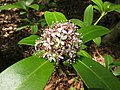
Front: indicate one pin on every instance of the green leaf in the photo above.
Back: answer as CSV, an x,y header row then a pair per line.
x,y
88,15
108,60
21,13
91,32
117,72
43,23
107,6
77,22
9,6
115,7
53,4
22,27
97,41
28,2
34,6
97,8
27,20
116,63
29,40
31,73
83,46
34,28
100,5
95,76
19,4
53,17
84,53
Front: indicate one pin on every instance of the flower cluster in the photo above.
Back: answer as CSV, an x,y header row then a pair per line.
x,y
60,41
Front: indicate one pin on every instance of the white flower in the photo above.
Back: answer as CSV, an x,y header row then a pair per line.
x,y
60,41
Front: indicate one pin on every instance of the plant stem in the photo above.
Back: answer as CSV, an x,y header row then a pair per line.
x,y
102,15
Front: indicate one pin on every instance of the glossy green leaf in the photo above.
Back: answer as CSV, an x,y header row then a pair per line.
x,y
31,73
34,6
84,53
117,72
99,3
97,41
29,40
77,22
108,60
95,76
115,7
53,17
91,32
88,15
34,28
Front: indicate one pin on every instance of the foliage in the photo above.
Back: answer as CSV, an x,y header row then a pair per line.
x,y
33,72
110,64
27,9
95,76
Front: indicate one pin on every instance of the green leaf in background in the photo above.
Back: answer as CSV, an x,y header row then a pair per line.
x,y
97,8
100,5
53,4
29,40
115,7
34,28
91,32
107,6
117,72
116,63
21,13
97,41
78,22
88,15
83,46
95,76
34,6
84,53
108,60
27,20
9,6
22,27
28,2
53,17
31,73
19,4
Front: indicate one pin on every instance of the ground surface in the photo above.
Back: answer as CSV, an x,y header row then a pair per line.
x,y
11,52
